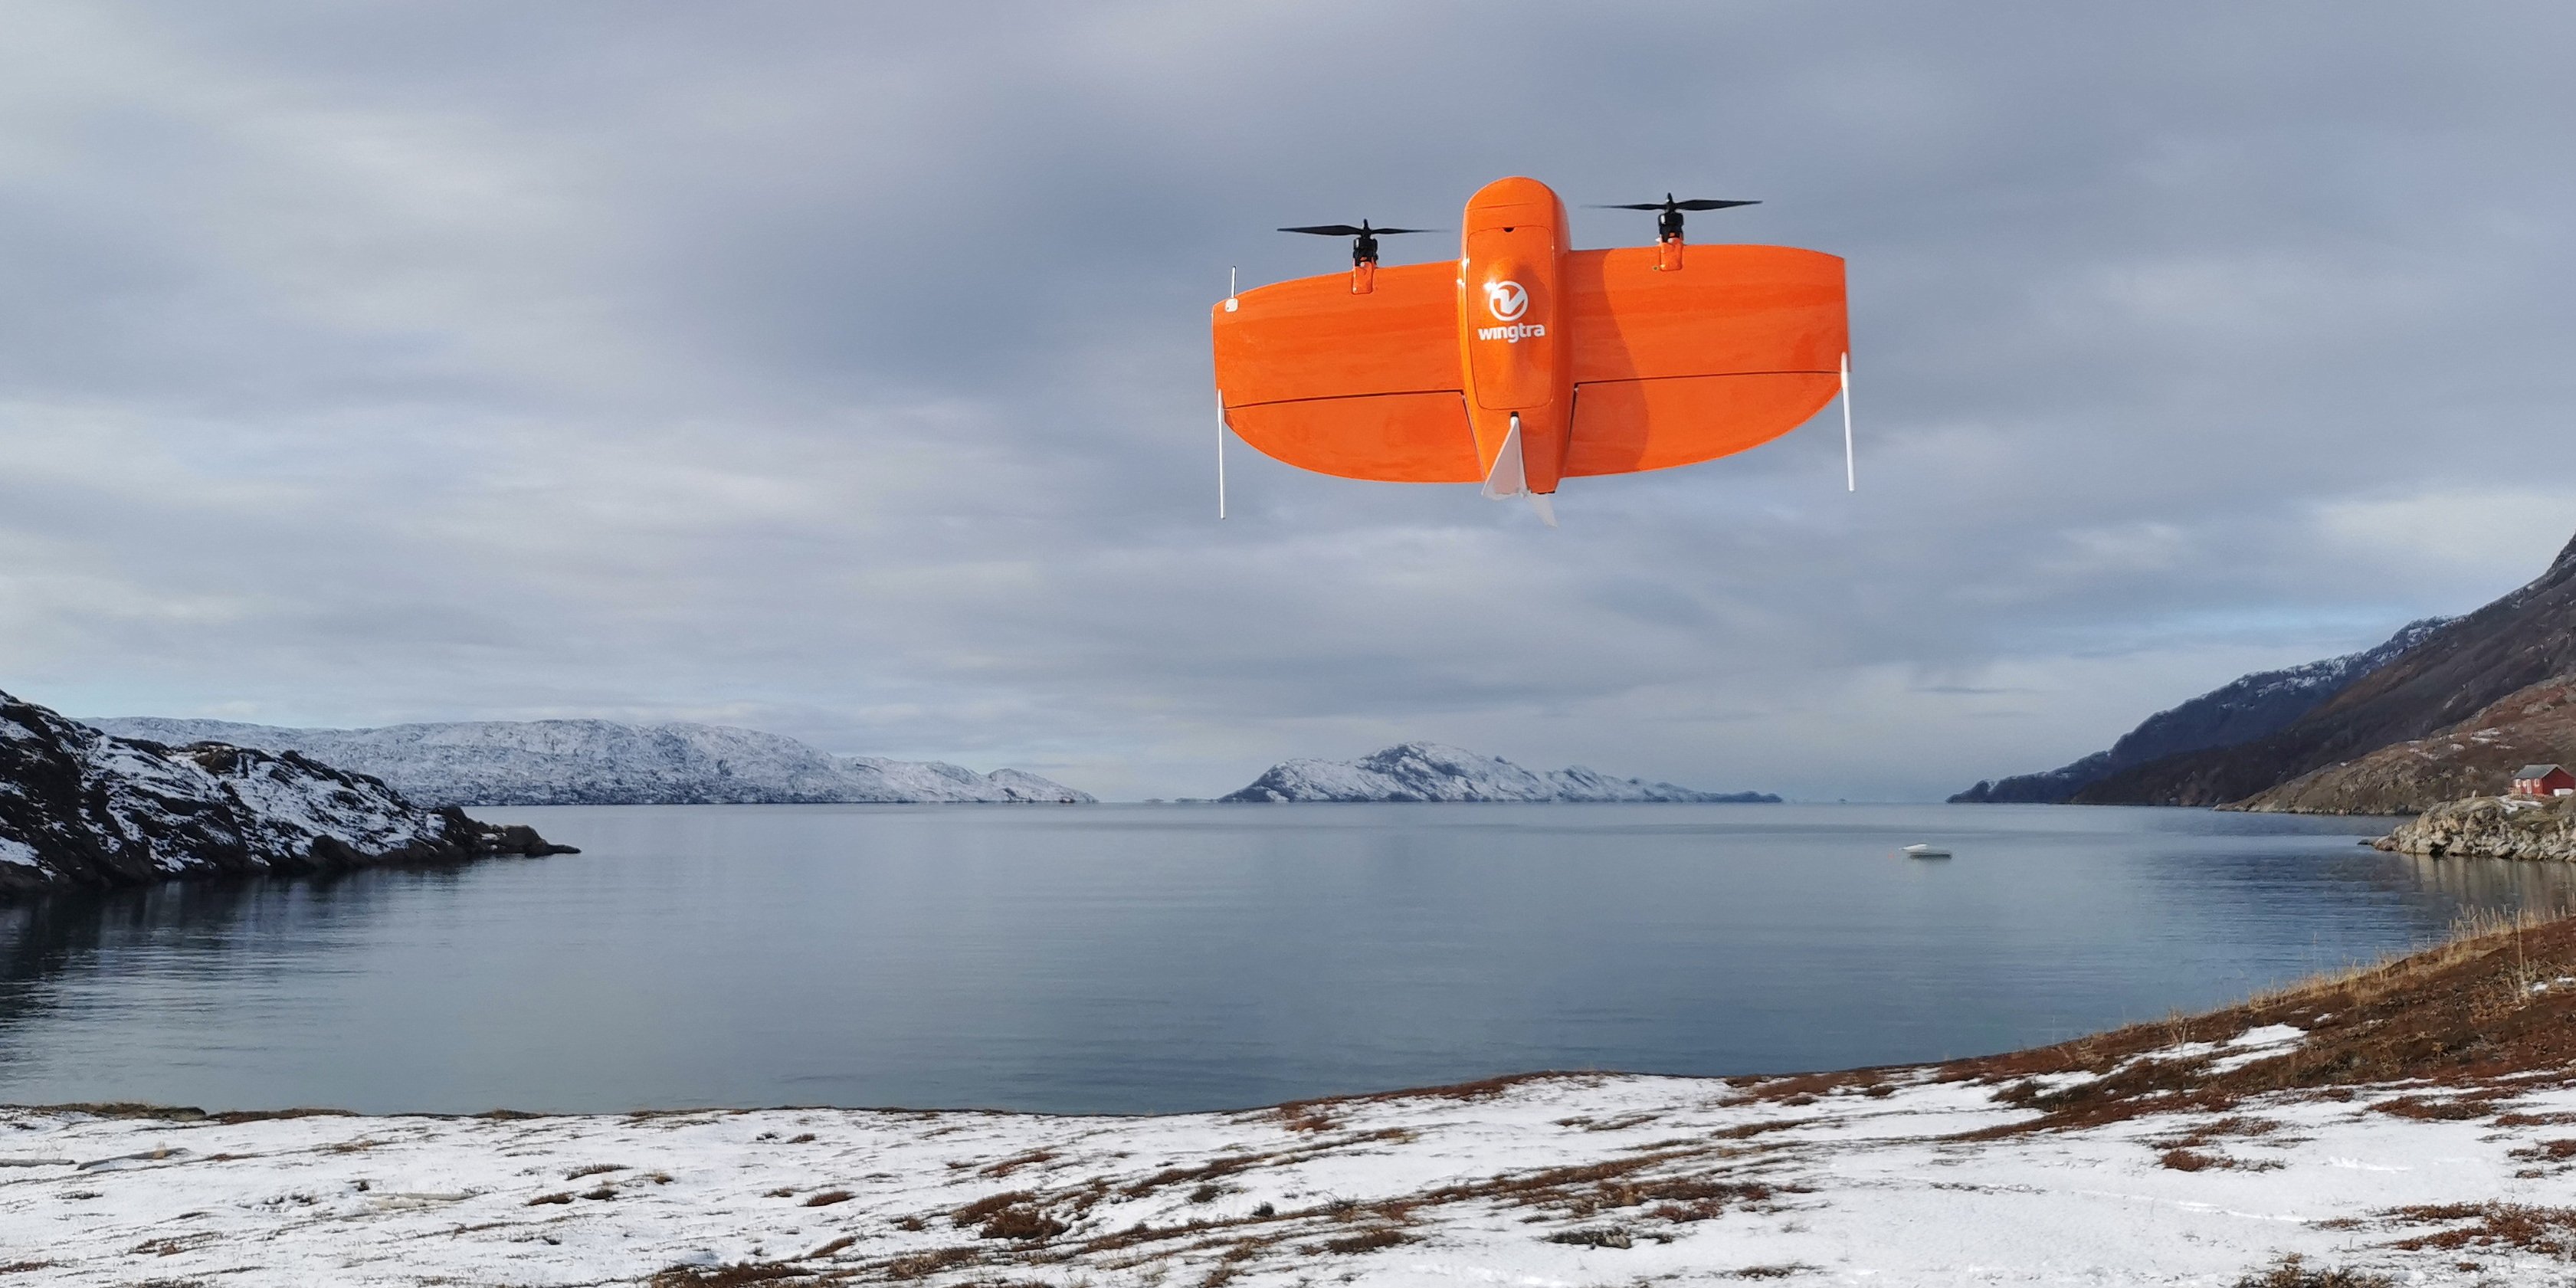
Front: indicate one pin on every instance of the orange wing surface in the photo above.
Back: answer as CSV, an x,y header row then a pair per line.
x,y
1357,385
1740,346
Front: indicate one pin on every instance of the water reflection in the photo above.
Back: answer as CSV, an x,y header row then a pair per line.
x,y
2545,888
1136,959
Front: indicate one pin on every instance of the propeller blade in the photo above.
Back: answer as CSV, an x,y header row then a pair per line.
x,y
1348,230
1702,204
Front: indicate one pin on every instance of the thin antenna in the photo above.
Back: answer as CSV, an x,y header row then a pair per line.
x,y
1851,477
1220,408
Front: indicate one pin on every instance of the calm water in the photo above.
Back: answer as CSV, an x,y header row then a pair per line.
x,y
1144,958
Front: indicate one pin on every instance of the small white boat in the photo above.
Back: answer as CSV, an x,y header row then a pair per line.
x,y
1921,851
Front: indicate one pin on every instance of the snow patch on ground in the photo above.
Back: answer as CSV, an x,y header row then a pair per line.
x,y
1574,1180
2259,1044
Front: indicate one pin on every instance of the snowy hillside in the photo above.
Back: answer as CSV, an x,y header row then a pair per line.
x,y
600,762
1423,771
82,808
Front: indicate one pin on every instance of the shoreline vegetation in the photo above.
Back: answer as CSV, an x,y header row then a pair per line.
x,y
2408,1120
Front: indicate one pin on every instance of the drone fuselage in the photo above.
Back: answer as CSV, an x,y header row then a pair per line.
x,y
1511,326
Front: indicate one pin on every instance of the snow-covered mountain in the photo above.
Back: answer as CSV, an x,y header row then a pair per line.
x,y
2240,711
1424,771
83,808
600,762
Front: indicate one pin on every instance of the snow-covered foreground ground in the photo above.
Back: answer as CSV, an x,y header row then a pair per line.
x,y
1554,1180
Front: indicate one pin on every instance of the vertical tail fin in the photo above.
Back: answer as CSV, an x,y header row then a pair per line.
x,y
1507,480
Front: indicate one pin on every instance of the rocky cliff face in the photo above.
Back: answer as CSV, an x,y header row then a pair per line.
x,y
80,808
2475,756
600,762
1422,771
2450,676
2244,709
2490,827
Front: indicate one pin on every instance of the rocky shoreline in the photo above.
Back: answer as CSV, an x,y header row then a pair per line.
x,y
2490,827
81,809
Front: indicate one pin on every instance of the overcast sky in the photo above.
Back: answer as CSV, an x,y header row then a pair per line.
x,y
841,370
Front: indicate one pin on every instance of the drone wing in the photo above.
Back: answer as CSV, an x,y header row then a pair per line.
x,y
1739,347
1361,386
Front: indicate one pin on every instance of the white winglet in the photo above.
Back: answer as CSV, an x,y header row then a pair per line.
x,y
1545,507
1220,453
1851,479
1506,480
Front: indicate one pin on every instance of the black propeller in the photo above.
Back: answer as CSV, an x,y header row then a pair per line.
x,y
1364,245
1668,224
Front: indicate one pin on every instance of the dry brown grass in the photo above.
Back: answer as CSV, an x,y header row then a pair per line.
x,y
2458,1014
1005,1167
2293,1271
1015,1214
726,1276
922,1265
1368,1241
2547,1151
2523,1227
1204,1172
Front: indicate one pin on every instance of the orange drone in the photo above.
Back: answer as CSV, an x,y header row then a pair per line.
x,y
1527,362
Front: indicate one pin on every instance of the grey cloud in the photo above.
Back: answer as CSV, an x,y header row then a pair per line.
x,y
841,370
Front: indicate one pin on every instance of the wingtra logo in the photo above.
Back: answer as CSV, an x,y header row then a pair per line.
x,y
1507,300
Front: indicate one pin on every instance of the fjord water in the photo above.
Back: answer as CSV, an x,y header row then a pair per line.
x,y
1157,958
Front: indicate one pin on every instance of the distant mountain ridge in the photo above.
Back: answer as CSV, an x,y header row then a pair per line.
x,y
602,762
2239,711
1424,771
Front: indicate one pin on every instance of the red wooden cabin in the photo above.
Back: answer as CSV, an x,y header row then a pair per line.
x,y
2544,780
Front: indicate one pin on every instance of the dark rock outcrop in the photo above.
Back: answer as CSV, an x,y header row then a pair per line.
x,y
2490,827
79,808
2450,676
2242,710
